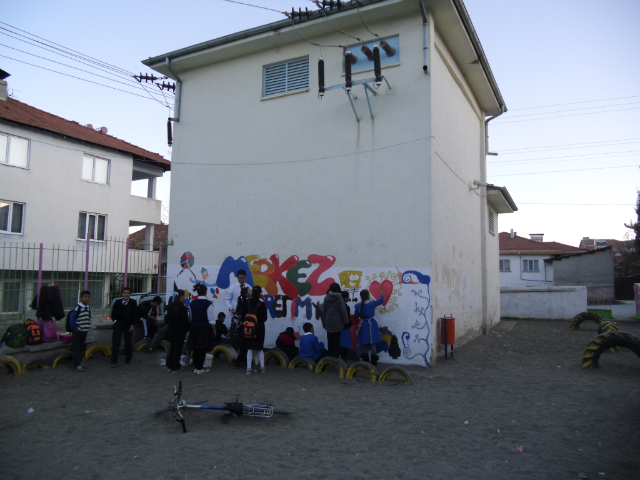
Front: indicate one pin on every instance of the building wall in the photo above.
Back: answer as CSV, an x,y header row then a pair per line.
x,y
54,192
493,273
517,277
594,270
543,302
456,211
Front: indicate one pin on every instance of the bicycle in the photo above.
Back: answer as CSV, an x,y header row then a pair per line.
x,y
234,409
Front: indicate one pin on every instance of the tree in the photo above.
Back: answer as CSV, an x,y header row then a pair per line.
x,y
635,226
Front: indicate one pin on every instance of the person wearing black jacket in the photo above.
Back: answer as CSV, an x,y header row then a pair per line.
x,y
148,314
178,320
123,316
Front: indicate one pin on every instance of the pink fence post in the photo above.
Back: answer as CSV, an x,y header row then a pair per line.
x,y
159,267
40,272
126,264
86,268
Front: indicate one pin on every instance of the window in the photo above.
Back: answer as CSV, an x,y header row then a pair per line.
x,y
11,217
505,265
91,225
530,266
491,221
14,151
286,77
95,170
10,299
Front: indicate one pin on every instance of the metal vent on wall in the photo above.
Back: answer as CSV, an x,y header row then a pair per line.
x,y
286,77
491,221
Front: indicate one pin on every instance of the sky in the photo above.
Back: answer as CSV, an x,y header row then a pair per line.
x,y
568,147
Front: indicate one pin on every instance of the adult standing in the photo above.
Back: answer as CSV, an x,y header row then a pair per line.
x,y
202,329
233,294
177,318
123,315
234,300
335,318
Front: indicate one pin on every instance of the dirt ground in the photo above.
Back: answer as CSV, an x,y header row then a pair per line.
x,y
521,385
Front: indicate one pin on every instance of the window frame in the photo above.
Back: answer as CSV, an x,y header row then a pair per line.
x,y
8,150
96,226
535,263
10,220
285,92
506,262
93,169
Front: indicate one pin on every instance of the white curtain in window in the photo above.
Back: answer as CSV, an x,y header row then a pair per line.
x,y
87,168
101,173
3,148
18,152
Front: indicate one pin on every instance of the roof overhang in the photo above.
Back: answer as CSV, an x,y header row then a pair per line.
x,y
451,20
500,200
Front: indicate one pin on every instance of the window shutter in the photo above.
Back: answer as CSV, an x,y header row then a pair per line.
x,y
491,221
286,77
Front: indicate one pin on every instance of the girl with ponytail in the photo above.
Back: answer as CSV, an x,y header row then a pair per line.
x,y
368,331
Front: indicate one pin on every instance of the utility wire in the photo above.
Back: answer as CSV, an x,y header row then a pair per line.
x,y
566,156
573,103
331,25
312,43
362,19
526,162
581,204
78,78
560,171
563,116
569,146
574,109
254,6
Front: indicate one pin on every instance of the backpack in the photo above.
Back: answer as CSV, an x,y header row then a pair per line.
x,y
16,336
250,324
67,324
35,334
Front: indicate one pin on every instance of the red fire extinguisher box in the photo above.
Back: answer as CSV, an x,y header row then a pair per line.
x,y
448,323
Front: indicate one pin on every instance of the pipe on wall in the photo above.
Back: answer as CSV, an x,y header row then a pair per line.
x,y
425,26
176,110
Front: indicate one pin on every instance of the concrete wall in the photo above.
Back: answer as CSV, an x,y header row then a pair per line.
x,y
594,270
542,302
54,192
517,277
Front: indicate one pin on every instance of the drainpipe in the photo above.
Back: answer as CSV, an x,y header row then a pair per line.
x,y
176,107
425,21
486,131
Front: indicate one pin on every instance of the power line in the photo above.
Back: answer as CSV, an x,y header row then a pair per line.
x,y
78,78
574,109
574,103
362,20
525,162
562,116
255,6
559,171
321,7
566,156
581,204
569,146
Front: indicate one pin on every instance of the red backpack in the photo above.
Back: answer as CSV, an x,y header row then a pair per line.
x,y
35,334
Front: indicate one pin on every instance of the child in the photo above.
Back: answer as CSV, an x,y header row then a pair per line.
x,y
123,315
253,327
345,335
286,342
80,320
221,329
368,331
177,318
310,347
202,329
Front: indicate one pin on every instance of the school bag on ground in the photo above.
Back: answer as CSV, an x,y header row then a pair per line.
x,y
35,333
16,336
250,324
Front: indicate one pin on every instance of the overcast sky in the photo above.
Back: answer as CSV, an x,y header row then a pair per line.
x,y
581,54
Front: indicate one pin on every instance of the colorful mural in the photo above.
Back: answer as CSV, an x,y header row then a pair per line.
x,y
293,288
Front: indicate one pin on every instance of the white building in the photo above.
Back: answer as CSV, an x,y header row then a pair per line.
x,y
61,183
302,191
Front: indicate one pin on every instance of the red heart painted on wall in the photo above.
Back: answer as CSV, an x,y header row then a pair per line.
x,y
387,290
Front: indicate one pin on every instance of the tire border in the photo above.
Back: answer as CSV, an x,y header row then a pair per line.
x,y
13,366
605,341
278,355
310,364
55,359
340,365
584,316
98,347
228,350
363,367
141,345
38,362
406,376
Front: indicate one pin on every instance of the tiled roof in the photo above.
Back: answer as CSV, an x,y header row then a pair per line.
x,y
18,112
160,234
526,246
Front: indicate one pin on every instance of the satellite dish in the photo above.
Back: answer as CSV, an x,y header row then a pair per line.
x,y
104,130
89,125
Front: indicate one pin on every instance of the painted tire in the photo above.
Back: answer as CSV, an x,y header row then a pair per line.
x,y
363,367
141,345
606,341
98,347
396,371
166,345
279,355
340,364
53,361
609,326
310,364
581,317
13,366
37,363
226,350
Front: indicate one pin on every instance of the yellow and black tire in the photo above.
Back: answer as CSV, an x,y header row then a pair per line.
x,y
141,345
12,365
581,317
277,354
609,326
166,344
310,364
363,367
53,361
340,365
606,341
98,347
396,371
37,363
226,350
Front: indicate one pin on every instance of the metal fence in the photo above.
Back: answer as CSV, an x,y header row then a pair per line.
x,y
102,267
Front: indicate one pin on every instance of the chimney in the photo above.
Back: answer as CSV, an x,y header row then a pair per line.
x,y
513,234
536,237
3,85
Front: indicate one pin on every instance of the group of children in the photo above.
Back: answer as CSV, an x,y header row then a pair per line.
x,y
247,331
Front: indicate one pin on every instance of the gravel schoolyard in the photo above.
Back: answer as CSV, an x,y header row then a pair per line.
x,y
521,387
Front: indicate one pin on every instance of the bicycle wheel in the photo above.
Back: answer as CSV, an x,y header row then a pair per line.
x,y
163,410
282,411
